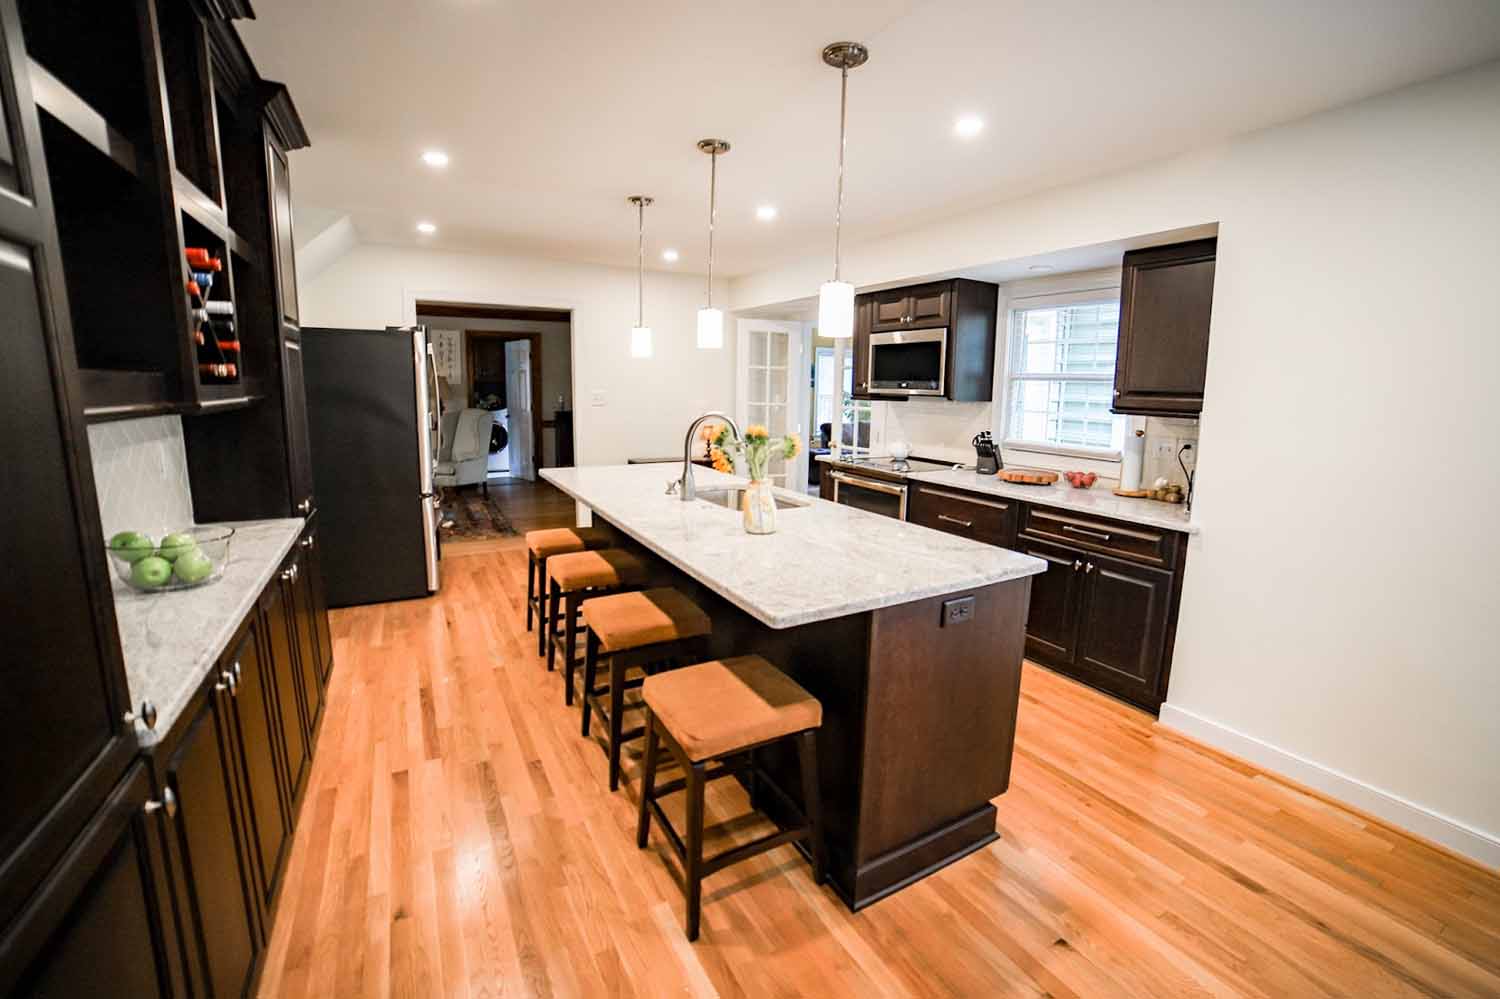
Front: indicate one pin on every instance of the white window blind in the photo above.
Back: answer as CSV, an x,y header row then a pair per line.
x,y
1061,372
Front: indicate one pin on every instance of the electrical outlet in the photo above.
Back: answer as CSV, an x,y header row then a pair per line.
x,y
596,399
959,610
1161,447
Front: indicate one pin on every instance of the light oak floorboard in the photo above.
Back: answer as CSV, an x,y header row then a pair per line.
x,y
458,839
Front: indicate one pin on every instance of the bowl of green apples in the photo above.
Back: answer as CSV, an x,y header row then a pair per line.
x,y
162,561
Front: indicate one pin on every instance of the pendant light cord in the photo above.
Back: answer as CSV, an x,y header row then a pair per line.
x,y
838,212
713,181
640,264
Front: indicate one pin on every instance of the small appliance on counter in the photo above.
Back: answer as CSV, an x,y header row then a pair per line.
x,y
988,462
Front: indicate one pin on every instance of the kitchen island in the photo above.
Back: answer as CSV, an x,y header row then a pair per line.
x,y
911,639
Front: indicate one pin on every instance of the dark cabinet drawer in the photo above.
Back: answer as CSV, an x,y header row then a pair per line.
x,y
1148,545
990,519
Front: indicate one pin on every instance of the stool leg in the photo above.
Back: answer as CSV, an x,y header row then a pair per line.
x,y
616,717
590,671
570,643
530,587
552,619
812,804
694,865
648,784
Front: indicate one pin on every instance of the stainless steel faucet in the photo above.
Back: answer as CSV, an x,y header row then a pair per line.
x,y
685,488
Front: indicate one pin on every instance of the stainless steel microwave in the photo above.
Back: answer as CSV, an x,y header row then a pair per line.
x,y
908,362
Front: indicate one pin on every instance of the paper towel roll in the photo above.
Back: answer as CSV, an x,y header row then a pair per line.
x,y
1134,458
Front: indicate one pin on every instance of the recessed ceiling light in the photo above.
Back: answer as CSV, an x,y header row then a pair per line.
x,y
435,158
1040,268
426,228
967,126
765,212
670,256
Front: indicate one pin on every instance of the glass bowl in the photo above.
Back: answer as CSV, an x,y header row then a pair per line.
x,y
170,559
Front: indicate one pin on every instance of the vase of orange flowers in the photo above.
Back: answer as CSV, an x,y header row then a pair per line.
x,y
757,447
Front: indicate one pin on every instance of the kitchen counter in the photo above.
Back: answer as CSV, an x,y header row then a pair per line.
x,y
911,640
171,640
824,561
1099,500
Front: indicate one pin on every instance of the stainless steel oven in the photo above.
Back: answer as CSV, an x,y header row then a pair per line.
x,y
874,495
908,362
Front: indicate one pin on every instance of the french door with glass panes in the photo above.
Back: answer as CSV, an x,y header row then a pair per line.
x,y
770,370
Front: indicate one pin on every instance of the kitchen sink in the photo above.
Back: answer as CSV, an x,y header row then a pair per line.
x,y
731,498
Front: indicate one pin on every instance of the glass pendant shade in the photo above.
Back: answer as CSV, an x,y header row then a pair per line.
x,y
836,310
640,341
710,329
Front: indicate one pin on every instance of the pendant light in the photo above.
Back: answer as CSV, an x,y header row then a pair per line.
x,y
640,334
710,319
836,297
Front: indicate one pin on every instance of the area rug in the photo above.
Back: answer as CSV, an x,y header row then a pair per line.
x,y
470,515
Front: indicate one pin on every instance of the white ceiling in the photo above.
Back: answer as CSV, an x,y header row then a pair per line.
x,y
554,112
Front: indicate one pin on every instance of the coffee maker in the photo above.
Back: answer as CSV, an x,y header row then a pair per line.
x,y
989,461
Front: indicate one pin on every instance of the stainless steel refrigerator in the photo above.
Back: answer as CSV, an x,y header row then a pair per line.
x,y
374,425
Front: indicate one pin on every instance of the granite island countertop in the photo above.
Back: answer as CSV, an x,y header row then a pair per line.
x,y
171,640
1099,500
824,561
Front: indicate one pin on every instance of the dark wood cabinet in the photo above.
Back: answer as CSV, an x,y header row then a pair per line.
x,y
991,519
1122,628
1166,300
318,599
292,700
967,309
260,743
281,223
102,923
216,889
299,448
1056,600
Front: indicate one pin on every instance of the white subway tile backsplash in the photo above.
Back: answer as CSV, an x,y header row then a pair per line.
x,y
140,474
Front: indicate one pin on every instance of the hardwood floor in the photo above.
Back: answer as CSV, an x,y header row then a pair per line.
x,y
458,840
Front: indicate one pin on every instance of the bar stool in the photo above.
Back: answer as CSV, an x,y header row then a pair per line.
x,y
542,545
716,710
646,629
576,576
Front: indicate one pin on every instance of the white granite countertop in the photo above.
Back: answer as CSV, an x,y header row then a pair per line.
x,y
824,561
1099,500
170,640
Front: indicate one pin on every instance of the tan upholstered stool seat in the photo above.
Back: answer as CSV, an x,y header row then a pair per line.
x,y
715,708
645,617
560,540
611,568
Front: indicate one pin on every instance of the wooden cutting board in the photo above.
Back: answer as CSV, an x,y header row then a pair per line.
x,y
1027,476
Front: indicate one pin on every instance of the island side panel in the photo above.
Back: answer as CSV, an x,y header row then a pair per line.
x,y
940,726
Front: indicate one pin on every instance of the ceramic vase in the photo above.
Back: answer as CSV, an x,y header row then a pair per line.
x,y
759,508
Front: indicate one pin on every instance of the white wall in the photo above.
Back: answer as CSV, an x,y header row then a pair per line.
x,y
646,404
1341,616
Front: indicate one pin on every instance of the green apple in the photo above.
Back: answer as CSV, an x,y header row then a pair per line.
x,y
132,546
151,572
175,545
193,566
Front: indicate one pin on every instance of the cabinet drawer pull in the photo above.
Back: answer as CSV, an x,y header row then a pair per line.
x,y
167,804
1088,534
955,520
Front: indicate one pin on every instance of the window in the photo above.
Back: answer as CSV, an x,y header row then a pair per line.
x,y
1061,373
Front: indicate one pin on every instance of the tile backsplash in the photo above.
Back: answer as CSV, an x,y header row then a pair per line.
x,y
140,474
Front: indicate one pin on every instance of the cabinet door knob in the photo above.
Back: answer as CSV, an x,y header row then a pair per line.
x,y
307,542
230,682
288,575
305,506
235,669
146,715
1077,565
1089,568
167,804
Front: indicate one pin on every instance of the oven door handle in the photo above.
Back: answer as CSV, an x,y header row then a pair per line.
x,y
874,485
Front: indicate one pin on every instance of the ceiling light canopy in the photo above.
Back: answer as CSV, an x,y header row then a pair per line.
x,y
669,255
435,158
836,297
426,228
968,125
710,319
766,213
640,334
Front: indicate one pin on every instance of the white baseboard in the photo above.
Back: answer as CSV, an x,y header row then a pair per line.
x,y
1474,843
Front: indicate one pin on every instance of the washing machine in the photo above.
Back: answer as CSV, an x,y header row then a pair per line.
x,y
499,463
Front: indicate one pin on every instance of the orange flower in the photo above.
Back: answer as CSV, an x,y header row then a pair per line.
x,y
756,430
793,445
721,461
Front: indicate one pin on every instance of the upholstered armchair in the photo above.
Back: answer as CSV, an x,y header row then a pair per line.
x,y
464,457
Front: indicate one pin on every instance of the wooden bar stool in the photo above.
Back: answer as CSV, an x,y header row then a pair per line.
x,y
575,577
542,545
648,629
706,714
